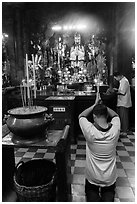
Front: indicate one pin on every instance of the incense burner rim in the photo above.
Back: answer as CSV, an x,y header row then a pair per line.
x,y
33,111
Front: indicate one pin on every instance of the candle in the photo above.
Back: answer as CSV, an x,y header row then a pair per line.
x,y
34,76
27,73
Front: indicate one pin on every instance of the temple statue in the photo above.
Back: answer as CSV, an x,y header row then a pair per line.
x,y
77,52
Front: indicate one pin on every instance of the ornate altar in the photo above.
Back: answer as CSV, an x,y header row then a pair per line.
x,y
66,59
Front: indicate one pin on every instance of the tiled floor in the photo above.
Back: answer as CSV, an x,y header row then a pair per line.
x,y
125,185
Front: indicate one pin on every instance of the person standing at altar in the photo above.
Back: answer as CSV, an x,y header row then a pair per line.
x,y
123,101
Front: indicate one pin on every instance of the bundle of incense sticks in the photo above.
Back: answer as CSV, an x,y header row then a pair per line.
x,y
27,74
25,101
22,96
24,92
27,97
34,76
98,84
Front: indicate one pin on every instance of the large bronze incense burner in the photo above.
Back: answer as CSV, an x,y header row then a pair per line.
x,y
28,122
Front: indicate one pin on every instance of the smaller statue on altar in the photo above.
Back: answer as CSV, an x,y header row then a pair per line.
x,y
62,49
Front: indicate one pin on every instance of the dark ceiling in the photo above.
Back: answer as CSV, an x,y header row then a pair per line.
x,y
38,14
59,7
58,10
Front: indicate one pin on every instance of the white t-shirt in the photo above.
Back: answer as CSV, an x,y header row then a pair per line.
x,y
100,152
124,88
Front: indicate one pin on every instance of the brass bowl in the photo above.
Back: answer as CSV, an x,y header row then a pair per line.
x,y
27,122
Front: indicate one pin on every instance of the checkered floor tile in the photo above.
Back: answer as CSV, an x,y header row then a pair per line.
x,y
125,185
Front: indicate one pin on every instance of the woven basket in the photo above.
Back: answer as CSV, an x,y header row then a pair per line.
x,y
44,192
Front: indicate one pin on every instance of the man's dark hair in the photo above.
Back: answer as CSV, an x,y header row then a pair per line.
x,y
100,110
117,74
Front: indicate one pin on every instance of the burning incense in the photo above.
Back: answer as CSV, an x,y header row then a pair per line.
x,y
22,96
36,58
31,96
27,73
98,86
24,91
34,76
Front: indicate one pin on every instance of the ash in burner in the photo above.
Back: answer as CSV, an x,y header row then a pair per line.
x,y
27,110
